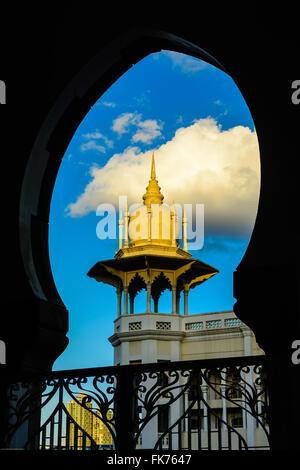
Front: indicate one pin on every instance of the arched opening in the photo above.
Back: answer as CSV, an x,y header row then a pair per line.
x,y
136,285
55,146
162,292
58,102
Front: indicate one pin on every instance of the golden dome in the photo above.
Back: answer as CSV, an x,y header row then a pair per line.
x,y
158,230
153,222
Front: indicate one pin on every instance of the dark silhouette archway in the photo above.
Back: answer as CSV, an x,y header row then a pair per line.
x,y
61,84
58,129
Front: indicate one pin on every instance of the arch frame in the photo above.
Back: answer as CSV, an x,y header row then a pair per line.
x,y
59,127
69,109
267,279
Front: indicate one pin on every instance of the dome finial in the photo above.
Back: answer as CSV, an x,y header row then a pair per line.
x,y
153,175
153,194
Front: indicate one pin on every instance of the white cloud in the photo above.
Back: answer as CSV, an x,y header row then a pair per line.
x,y
109,104
186,63
201,164
121,124
92,144
143,130
148,130
93,135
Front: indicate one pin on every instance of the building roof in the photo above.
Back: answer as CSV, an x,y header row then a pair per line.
x,y
190,272
157,259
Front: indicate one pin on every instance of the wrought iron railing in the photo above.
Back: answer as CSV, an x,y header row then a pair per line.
x,y
215,404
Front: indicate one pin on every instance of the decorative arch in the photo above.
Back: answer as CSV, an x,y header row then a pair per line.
x,y
57,130
160,283
267,256
55,133
136,284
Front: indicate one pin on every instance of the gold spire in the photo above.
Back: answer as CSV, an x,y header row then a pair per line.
x,y
153,194
153,175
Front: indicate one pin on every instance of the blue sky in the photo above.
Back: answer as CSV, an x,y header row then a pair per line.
x,y
194,118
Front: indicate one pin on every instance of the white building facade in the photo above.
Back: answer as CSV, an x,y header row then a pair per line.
x,y
150,258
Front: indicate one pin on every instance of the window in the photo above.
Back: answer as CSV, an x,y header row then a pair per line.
x,y
235,418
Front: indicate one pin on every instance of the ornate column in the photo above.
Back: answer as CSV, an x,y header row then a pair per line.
x,y
148,297
156,305
204,389
119,296
178,302
223,386
186,405
125,300
173,299
186,293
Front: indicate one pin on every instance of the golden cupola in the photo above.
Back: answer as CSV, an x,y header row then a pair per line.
x,y
149,255
153,223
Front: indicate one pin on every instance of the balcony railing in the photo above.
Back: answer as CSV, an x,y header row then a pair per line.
x,y
151,406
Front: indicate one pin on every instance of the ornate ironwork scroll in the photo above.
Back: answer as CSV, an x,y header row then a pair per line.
x,y
152,398
194,405
214,407
42,405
